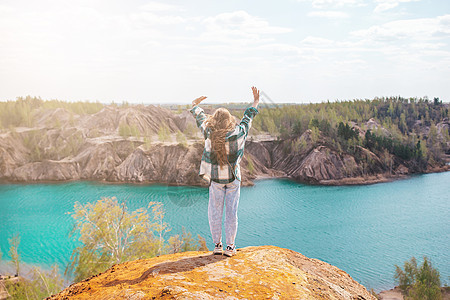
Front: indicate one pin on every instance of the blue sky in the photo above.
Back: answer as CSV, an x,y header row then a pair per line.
x,y
174,51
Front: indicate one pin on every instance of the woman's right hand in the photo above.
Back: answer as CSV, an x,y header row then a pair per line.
x,y
255,97
198,100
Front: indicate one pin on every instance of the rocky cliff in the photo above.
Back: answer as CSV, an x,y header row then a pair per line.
x,y
265,272
146,144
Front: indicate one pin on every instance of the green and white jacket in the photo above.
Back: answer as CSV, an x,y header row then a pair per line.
x,y
234,145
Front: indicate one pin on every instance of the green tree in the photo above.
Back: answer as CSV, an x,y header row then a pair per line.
x,y
445,135
147,142
391,109
181,139
124,130
164,133
313,123
250,165
427,285
109,234
407,276
159,226
270,126
315,134
188,241
38,285
202,243
297,130
190,131
419,283
174,244
387,159
14,252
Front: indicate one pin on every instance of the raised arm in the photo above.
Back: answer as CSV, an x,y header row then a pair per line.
x,y
249,114
199,114
198,100
255,97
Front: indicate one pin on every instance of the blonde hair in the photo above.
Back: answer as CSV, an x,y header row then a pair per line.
x,y
220,123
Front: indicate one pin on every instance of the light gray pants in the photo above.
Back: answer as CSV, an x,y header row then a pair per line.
x,y
218,195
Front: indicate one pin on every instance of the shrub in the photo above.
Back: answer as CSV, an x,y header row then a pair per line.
x,y
419,283
14,252
190,131
163,133
126,130
181,139
39,285
250,165
110,234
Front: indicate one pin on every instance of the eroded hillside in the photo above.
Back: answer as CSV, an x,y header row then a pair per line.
x,y
143,144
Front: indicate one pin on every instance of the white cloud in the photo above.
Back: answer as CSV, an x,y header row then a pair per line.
x,y
239,26
5,9
118,50
384,5
350,66
316,41
423,29
427,46
282,50
154,6
287,56
242,21
326,4
407,45
150,18
157,13
331,14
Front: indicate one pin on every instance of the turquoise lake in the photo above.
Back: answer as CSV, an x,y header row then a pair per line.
x,y
363,230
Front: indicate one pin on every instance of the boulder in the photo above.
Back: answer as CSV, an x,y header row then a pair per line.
x,y
48,170
265,272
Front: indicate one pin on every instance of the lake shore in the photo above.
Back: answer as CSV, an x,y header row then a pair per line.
x,y
379,178
396,294
348,181
250,180
392,294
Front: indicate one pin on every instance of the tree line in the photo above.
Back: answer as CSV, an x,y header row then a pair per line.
x,y
404,127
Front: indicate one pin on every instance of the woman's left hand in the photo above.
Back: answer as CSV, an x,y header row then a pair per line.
x,y
198,100
255,97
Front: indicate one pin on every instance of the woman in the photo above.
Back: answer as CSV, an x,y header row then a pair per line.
x,y
224,148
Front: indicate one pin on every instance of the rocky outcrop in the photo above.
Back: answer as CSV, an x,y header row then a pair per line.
x,y
171,164
13,153
147,119
265,272
47,171
313,162
97,161
53,117
184,121
321,164
259,151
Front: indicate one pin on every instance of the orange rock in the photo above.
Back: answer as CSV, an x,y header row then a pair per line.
x,y
265,272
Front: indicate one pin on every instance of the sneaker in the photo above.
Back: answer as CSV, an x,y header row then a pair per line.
x,y
218,249
230,251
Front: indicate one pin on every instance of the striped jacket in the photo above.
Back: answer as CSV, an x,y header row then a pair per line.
x,y
235,142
